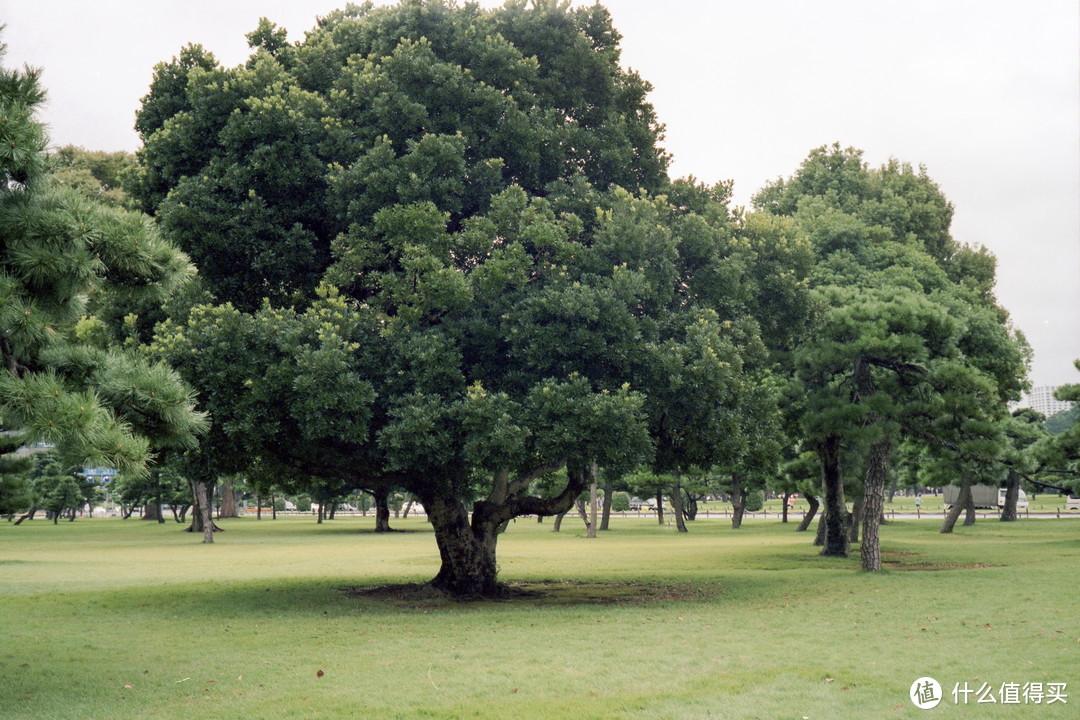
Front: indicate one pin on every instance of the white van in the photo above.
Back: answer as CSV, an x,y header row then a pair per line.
x,y
1021,499
1072,502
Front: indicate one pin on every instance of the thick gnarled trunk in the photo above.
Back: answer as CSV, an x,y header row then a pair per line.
x,y
467,544
466,549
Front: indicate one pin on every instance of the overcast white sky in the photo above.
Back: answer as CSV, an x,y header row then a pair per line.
x,y
984,93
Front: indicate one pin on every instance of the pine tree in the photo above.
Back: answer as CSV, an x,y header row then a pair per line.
x,y
100,404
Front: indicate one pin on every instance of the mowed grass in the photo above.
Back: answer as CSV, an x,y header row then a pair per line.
x,y
127,619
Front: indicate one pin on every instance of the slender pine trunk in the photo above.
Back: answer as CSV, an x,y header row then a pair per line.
x,y
203,495
836,517
810,513
738,501
962,501
677,506
606,509
877,473
1012,494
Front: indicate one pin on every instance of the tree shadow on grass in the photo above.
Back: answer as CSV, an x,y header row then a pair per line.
x,y
542,593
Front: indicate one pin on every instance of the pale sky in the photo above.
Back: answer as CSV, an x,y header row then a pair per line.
x,y
984,93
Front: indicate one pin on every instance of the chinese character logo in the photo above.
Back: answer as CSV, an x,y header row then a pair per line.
x,y
925,693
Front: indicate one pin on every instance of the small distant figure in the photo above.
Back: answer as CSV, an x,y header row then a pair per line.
x,y
791,501
918,501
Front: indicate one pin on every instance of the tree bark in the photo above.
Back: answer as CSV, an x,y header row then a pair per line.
x,y
202,494
738,501
856,519
677,506
406,509
580,505
28,516
605,518
199,499
836,516
152,512
969,509
382,510
877,472
467,550
228,507
1012,493
784,506
558,522
962,501
590,529
810,513
660,505
690,506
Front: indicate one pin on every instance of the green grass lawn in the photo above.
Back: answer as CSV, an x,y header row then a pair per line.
x,y
127,619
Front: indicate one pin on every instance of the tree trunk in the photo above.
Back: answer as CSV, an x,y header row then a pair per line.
x,y
152,512
856,520
590,529
382,511
228,501
660,505
969,509
606,516
962,500
877,472
580,505
467,550
258,506
1012,493
738,501
836,516
406,509
677,506
198,523
819,534
690,506
273,506
558,522
320,514
892,487
202,494
810,513
784,506
28,516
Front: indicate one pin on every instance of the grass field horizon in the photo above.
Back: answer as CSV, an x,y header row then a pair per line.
x,y
106,618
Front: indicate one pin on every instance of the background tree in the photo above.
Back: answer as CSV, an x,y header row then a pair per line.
x,y
905,319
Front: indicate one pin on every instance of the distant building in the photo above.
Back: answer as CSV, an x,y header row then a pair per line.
x,y
1041,399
